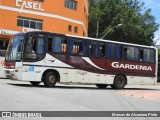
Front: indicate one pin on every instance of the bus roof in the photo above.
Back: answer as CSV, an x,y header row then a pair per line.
x,y
103,40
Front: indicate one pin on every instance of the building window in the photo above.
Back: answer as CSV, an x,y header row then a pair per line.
x,y
69,28
71,4
29,23
75,29
39,0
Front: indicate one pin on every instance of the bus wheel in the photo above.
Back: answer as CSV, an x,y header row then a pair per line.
x,y
101,86
35,83
50,79
119,82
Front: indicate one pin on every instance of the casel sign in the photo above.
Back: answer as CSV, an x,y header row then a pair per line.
x,y
29,5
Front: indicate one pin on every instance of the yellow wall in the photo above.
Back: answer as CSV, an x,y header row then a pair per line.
x,y
55,16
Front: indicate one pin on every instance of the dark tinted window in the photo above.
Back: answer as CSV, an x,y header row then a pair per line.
x,y
57,44
114,51
35,48
39,0
71,4
94,49
147,55
103,50
131,53
4,44
77,47
29,23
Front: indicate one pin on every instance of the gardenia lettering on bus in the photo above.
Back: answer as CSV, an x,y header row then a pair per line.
x,y
130,66
29,5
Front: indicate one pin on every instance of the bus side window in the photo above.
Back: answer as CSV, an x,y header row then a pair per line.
x,y
71,47
57,44
31,44
130,53
34,45
141,55
84,48
77,47
125,53
64,47
114,51
94,49
35,48
102,50
40,46
80,47
74,46
152,56
148,55
136,54
50,41
109,51
118,51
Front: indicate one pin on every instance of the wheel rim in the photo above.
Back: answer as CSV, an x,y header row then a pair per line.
x,y
52,79
119,82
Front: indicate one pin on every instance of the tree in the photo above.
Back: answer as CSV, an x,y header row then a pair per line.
x,y
138,23
95,17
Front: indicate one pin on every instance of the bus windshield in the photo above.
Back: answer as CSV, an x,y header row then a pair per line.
x,y
14,52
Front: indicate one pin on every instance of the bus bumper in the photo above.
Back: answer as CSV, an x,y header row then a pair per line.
x,y
10,73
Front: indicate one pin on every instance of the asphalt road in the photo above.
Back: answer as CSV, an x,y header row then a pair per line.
x,y
22,96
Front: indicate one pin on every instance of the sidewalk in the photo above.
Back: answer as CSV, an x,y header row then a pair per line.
x,y
143,94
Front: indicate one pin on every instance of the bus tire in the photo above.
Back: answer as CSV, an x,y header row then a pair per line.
x,y
101,86
119,82
50,79
35,83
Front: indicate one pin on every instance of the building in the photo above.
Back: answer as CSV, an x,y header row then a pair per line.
x,y
59,16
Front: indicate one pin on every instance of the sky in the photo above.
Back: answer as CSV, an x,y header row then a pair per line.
x,y
155,6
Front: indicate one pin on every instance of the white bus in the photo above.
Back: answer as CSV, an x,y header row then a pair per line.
x,y
50,58
4,40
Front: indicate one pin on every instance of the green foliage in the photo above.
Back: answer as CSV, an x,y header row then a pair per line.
x,y
138,23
